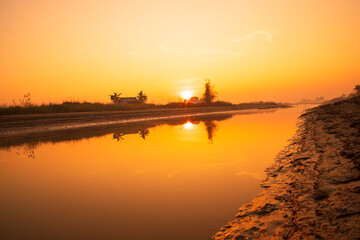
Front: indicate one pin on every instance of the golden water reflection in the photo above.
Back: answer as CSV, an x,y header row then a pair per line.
x,y
184,181
188,125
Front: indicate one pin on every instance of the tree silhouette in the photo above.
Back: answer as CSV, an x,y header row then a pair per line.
x,y
141,97
357,89
209,93
115,98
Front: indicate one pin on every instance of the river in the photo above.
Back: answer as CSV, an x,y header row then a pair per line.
x,y
180,179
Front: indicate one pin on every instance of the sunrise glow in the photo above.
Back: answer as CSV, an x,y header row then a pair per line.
x,y
252,50
186,95
159,119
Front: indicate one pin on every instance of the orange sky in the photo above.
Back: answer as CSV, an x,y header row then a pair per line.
x,y
251,50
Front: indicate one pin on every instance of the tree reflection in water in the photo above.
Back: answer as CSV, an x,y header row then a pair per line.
x,y
211,126
29,143
118,136
144,133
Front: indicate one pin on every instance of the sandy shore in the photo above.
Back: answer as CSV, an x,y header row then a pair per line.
x,y
312,191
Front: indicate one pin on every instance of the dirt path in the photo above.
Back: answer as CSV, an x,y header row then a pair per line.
x,y
313,189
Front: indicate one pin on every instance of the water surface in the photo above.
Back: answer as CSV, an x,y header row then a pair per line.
x,y
180,179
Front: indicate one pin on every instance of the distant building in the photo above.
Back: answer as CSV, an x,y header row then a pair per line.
x,y
194,100
201,100
116,99
127,100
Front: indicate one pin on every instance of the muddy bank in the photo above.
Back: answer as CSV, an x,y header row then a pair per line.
x,y
312,191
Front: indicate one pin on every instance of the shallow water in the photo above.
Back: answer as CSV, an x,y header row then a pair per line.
x,y
182,179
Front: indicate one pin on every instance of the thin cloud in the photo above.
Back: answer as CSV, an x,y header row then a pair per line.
x,y
265,34
133,53
187,81
165,47
207,52
212,53
170,175
256,176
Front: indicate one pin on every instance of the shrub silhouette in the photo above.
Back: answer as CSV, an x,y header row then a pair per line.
x,y
357,89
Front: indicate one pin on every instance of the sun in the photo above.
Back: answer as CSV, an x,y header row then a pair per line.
x,y
186,94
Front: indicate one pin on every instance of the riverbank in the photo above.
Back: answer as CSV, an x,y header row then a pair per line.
x,y
312,191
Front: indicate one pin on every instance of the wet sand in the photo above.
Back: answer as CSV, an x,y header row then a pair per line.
x,y
312,191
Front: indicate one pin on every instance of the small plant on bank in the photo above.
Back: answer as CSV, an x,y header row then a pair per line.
x,y
25,101
357,89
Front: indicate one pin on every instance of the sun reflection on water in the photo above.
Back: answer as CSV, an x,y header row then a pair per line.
x,y
188,125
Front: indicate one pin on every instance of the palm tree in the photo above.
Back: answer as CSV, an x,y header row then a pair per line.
x,y
115,98
141,97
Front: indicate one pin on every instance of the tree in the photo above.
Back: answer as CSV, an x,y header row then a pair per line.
x,y
117,94
141,97
357,89
115,98
209,93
